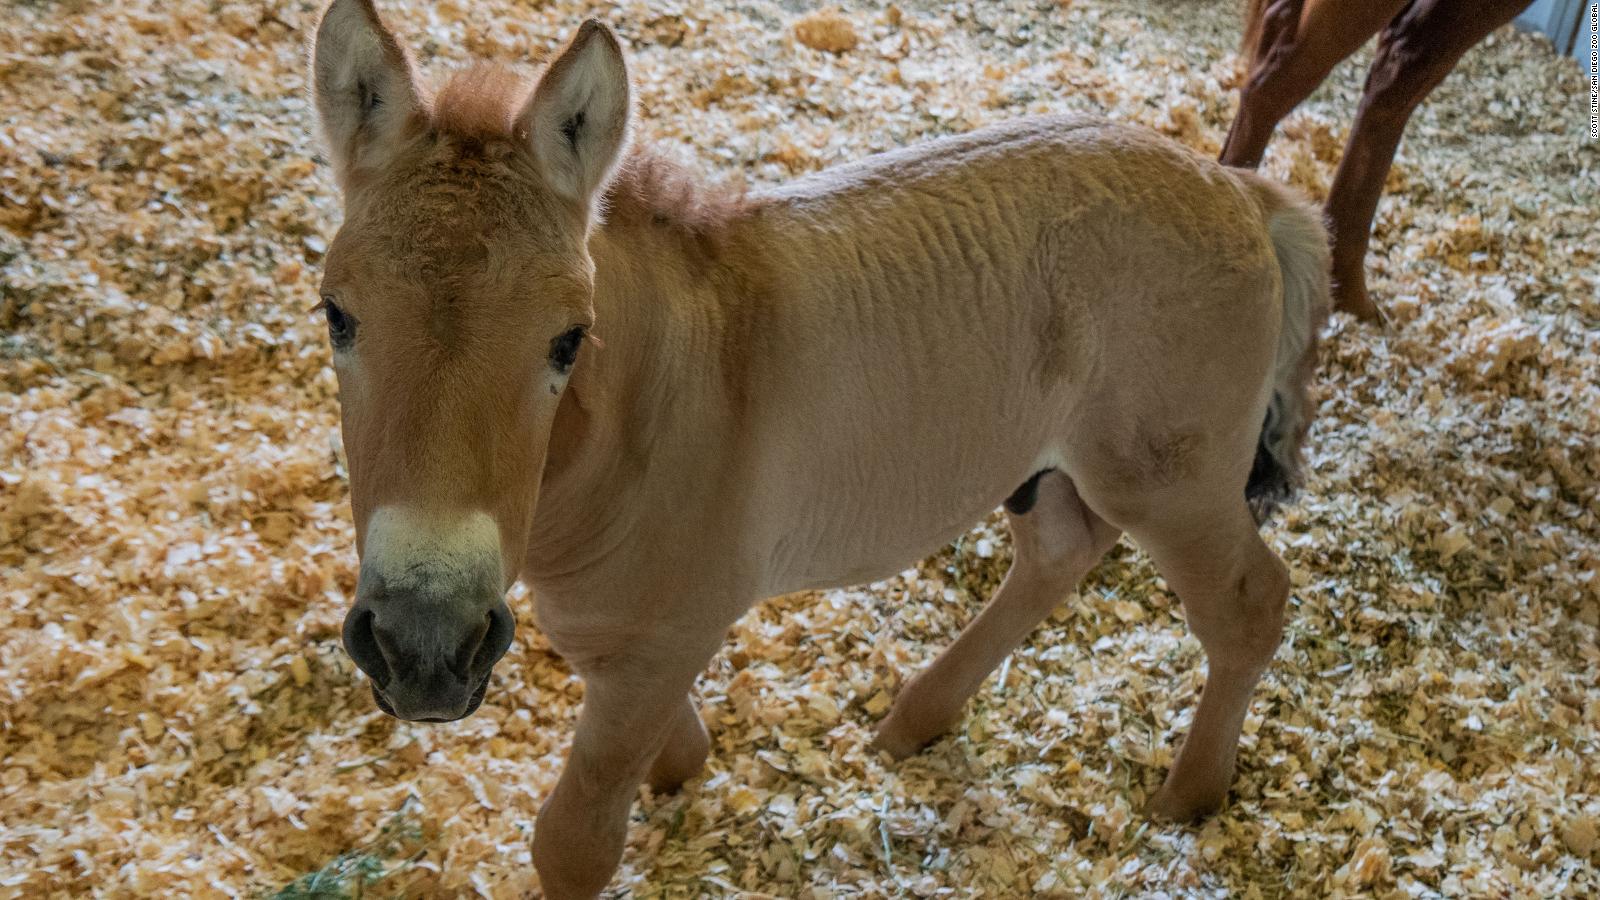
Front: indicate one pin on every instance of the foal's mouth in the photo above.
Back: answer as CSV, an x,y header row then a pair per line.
x,y
475,701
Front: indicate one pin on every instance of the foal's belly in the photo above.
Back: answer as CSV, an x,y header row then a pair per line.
x,y
862,511
880,446
897,538
881,556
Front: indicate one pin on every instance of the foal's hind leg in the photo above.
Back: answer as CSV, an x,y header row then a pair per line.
x,y
1234,590
1056,542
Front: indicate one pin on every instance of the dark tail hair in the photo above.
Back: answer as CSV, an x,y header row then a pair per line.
x,y
1301,244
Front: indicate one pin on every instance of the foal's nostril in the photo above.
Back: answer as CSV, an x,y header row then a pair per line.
x,y
496,640
361,642
467,654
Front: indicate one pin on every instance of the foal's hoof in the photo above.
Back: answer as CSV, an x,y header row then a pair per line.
x,y
893,738
661,785
677,764
1179,808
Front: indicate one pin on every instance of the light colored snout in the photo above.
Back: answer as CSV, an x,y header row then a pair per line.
x,y
430,619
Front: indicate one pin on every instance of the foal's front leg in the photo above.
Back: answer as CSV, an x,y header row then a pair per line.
x,y
636,721
684,753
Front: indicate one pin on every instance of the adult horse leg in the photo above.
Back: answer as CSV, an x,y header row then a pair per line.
x,y
1056,541
1415,52
636,702
1297,46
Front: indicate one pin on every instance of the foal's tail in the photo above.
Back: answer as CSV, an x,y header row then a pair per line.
x,y
1301,244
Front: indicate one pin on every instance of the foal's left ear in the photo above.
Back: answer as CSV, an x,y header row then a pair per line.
x,y
577,118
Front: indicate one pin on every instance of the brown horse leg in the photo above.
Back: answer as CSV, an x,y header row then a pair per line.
x,y
1295,52
635,701
684,754
1056,542
1233,589
1415,52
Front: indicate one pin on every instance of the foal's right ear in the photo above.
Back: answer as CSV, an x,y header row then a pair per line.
x,y
363,86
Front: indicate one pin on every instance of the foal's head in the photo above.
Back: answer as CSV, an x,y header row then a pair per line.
x,y
457,295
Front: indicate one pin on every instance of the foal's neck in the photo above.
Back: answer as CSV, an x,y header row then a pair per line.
x,y
647,410
674,273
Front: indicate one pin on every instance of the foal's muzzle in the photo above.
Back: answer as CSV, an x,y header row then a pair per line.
x,y
429,660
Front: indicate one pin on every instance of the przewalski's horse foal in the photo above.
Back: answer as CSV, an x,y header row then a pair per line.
x,y
807,387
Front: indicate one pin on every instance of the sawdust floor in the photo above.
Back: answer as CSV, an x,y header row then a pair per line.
x,y
177,717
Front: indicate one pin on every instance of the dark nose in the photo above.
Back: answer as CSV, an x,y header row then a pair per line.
x,y
429,660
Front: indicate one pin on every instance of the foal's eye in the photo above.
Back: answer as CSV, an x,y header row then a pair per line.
x,y
341,325
564,348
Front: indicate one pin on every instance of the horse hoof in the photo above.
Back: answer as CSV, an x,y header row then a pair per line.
x,y
896,741
1357,302
1175,808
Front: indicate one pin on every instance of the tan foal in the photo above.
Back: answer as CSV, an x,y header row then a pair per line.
x,y
809,386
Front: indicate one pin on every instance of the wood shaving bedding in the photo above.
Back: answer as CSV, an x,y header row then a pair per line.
x,y
177,717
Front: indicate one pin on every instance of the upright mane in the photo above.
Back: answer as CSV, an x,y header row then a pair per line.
x,y
651,189
481,103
